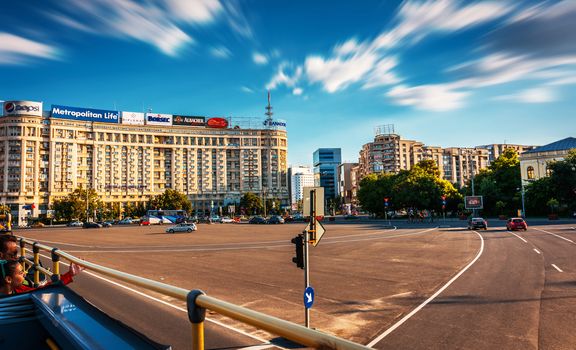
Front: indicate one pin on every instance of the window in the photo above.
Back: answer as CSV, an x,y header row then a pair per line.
x,y
530,171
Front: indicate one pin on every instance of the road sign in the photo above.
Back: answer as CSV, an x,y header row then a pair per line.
x,y
308,297
319,199
316,236
473,202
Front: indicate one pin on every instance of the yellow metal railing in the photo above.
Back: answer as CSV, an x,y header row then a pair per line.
x,y
197,303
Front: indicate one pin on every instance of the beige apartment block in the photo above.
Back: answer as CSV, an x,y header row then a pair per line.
x,y
43,159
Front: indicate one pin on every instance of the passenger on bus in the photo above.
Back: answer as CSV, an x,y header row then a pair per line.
x,y
13,277
8,247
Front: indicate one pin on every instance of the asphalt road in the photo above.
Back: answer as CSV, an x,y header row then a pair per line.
x,y
367,278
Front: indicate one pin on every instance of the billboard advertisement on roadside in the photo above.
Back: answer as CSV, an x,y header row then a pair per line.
x,y
133,118
23,108
158,119
186,120
218,123
85,114
473,202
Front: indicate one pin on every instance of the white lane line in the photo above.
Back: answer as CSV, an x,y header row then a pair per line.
x,y
553,234
525,241
405,318
537,251
171,305
557,268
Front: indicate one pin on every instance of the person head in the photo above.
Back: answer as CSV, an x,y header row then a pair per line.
x,y
12,276
8,247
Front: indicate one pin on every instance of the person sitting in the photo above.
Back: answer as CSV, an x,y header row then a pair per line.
x,y
8,247
13,277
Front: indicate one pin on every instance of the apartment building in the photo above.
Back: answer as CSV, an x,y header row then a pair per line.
x,y
496,149
300,176
46,155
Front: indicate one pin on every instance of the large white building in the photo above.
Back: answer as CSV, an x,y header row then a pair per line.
x,y
129,157
534,164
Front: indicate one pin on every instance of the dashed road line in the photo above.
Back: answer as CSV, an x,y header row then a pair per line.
x,y
407,317
525,241
537,251
557,268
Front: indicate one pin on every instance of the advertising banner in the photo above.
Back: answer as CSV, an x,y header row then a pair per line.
x,y
158,119
276,124
85,114
133,118
23,108
218,123
473,202
188,120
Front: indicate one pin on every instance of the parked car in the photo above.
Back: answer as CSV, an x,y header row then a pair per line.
x,y
516,224
105,223
215,219
144,222
476,223
298,217
275,220
126,221
229,220
257,220
75,223
181,228
91,225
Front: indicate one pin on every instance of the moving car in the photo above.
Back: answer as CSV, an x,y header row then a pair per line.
x,y
516,224
181,228
91,225
75,223
228,220
276,220
476,223
257,220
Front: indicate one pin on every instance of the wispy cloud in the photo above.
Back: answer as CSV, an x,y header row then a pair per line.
x,y
237,19
283,78
247,89
438,97
160,25
220,52
259,58
534,95
16,49
297,91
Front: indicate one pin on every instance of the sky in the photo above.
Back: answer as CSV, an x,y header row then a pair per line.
x,y
446,73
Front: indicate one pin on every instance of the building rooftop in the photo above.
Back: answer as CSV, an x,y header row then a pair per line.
x,y
564,144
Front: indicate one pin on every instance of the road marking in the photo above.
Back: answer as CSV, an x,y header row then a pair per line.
x,y
553,234
405,318
525,241
557,268
173,306
537,251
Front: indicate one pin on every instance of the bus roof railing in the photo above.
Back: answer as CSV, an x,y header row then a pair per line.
x,y
198,302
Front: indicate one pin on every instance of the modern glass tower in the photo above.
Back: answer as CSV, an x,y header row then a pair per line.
x,y
326,162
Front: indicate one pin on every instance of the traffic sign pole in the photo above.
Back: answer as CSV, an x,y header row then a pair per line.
x,y
306,252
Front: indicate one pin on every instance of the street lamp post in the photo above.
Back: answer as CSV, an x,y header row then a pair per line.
x,y
522,195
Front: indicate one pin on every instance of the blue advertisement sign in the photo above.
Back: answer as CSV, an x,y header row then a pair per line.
x,y
85,114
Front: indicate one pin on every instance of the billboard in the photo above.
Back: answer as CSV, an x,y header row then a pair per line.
x,y
188,120
132,118
85,114
218,123
23,108
158,119
473,202
276,124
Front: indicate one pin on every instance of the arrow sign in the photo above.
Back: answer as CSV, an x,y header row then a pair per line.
x,y
315,237
308,297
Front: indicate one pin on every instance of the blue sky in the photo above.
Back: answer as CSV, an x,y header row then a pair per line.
x,y
447,73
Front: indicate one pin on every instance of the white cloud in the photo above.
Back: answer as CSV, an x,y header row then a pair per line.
x,y
534,95
259,58
15,48
440,97
220,52
297,91
156,24
247,89
282,78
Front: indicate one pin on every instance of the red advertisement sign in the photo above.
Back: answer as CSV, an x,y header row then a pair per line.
x,y
219,123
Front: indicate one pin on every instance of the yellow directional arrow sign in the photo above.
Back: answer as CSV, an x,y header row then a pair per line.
x,y
316,236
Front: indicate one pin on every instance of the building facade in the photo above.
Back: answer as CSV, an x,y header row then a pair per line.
x,y
326,162
43,158
534,163
300,176
496,149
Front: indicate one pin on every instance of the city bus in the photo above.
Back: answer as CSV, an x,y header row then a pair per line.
x,y
169,216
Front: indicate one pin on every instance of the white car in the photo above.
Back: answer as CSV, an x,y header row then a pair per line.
x,y
181,228
227,220
75,224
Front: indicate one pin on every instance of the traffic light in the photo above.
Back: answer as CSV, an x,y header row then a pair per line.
x,y
386,201
299,245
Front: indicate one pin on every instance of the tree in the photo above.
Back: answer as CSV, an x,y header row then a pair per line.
x,y
552,203
171,200
251,203
80,204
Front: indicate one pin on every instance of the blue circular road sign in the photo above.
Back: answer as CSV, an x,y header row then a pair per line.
x,y
308,297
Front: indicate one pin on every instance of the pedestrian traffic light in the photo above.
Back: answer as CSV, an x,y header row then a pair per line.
x,y
386,201
299,246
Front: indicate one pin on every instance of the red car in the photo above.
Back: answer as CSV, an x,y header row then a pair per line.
x,y
516,224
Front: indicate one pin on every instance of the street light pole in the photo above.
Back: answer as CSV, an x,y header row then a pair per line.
x,y
522,194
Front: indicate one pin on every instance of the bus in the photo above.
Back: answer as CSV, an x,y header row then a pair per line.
x,y
169,216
